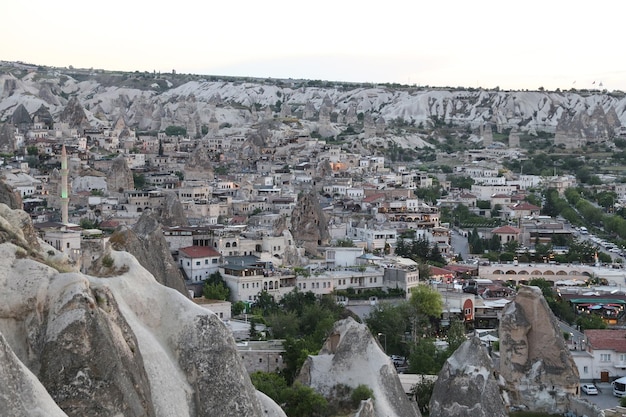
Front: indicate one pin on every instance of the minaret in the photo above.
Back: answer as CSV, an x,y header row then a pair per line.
x,y
65,198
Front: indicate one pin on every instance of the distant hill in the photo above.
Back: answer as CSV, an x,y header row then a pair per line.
x,y
232,105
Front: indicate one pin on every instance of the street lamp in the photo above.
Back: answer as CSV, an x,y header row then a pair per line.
x,y
382,334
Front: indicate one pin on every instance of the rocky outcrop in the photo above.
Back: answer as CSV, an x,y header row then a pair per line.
x,y
538,368
309,225
172,212
351,356
117,346
16,227
21,393
90,363
7,138
9,197
74,114
145,242
467,385
199,165
119,176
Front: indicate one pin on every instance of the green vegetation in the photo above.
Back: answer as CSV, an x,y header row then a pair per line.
x,y
175,131
215,287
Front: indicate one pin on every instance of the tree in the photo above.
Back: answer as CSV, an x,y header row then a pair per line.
x,y
175,131
392,321
423,390
424,358
214,291
303,401
456,335
237,308
215,287
265,303
283,324
139,181
590,321
426,304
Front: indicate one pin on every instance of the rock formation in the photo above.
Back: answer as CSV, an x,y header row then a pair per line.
x,y
467,385
351,356
145,242
120,177
21,393
116,346
74,114
538,368
172,212
7,138
199,165
309,226
9,197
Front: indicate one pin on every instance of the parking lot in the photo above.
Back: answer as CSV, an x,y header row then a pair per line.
x,y
605,398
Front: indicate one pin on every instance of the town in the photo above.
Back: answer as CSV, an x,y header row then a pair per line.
x,y
318,199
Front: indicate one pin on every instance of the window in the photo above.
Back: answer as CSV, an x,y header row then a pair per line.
x,y
605,357
214,260
585,369
197,262
206,261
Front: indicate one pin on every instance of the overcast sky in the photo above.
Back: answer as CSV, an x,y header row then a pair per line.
x,y
481,43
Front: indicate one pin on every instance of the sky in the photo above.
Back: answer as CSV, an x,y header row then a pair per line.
x,y
513,45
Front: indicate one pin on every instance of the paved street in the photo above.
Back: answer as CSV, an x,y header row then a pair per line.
x,y
605,398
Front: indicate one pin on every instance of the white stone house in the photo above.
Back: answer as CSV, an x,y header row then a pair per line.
x,y
198,262
601,355
342,256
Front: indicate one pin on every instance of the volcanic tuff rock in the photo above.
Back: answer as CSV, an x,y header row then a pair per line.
x,y
122,345
351,356
190,101
145,242
467,385
172,212
309,225
538,368
74,114
119,176
21,394
199,165
9,197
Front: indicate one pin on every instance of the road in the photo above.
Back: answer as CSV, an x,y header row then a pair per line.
x,y
605,398
459,245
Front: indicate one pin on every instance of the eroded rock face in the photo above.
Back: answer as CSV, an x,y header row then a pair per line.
x,y
351,356
538,368
21,394
10,197
467,385
16,227
309,225
145,242
90,362
116,346
120,177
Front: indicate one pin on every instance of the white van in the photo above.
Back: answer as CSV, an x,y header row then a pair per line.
x,y
583,230
619,387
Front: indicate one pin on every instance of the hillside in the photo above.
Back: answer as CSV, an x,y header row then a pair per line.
x,y
152,102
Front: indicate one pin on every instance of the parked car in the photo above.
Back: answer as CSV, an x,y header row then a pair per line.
x,y
589,389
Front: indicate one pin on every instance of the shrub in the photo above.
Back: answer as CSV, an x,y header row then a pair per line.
x,y
360,393
107,261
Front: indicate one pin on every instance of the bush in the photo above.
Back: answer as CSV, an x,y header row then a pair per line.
x,y
360,393
107,261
